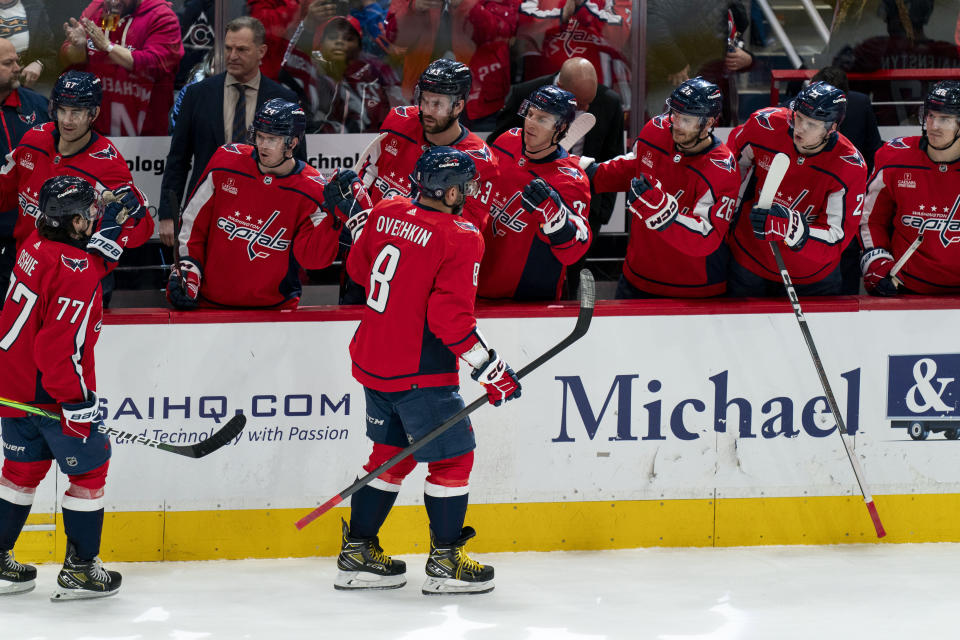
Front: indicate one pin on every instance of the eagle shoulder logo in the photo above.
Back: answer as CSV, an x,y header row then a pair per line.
x,y
74,264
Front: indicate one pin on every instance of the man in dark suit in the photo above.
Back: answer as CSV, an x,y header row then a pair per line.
x,y
605,140
214,112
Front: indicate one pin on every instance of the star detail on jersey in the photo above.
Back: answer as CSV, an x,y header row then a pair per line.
x,y
237,230
107,153
501,217
74,264
763,118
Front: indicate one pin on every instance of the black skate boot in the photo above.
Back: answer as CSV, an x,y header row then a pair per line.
x,y
450,569
84,579
15,577
364,565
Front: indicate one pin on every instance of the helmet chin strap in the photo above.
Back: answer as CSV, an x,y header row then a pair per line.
x,y
554,141
956,136
274,166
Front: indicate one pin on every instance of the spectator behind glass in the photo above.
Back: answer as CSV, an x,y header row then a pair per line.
x,y
25,24
209,116
277,17
688,38
345,89
493,25
431,29
134,47
21,109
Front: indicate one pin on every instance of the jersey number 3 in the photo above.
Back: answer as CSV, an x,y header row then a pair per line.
x,y
384,268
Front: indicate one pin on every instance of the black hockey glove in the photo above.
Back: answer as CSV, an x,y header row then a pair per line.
x,y
104,241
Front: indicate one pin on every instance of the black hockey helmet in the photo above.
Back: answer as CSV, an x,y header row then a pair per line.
x,y
696,97
943,97
554,100
280,118
440,168
447,77
62,197
821,101
76,89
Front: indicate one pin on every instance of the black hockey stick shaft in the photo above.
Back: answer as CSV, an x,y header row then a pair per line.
x,y
206,446
587,299
827,390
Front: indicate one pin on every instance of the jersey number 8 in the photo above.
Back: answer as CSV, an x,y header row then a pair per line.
x,y
384,268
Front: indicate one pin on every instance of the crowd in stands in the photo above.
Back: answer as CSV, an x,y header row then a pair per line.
x,y
349,64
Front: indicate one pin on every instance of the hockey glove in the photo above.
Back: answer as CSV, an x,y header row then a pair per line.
x,y
76,418
345,197
779,223
539,198
657,208
104,241
496,376
183,288
876,265
128,200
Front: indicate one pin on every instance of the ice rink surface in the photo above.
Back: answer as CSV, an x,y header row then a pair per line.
x,y
853,592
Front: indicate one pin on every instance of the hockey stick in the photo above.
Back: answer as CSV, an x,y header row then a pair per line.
x,y
580,127
587,297
207,446
903,259
775,175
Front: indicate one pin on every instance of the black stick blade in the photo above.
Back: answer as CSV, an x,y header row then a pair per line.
x,y
229,431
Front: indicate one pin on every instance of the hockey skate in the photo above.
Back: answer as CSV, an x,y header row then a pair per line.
x,y
84,579
364,565
15,577
450,570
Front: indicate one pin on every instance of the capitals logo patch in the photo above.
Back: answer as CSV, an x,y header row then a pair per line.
x,y
570,171
855,159
480,154
898,143
661,122
763,118
232,148
726,164
466,226
28,118
74,264
107,153
405,112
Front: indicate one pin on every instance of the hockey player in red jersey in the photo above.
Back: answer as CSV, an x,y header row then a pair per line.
x,y
681,184
48,330
70,146
407,132
915,188
419,261
816,211
256,214
538,206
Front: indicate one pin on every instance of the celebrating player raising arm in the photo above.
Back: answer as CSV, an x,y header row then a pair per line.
x,y
255,214
419,260
681,183
539,204
48,330
816,211
914,190
70,146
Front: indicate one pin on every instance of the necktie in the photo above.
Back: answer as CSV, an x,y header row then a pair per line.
x,y
240,115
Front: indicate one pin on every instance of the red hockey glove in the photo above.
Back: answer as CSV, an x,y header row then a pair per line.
x,y
875,266
183,287
345,197
539,198
497,378
76,418
657,208
779,223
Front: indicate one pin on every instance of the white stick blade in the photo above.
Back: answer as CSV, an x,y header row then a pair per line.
x,y
778,168
580,127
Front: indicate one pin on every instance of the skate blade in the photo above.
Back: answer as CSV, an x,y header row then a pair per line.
x,y
12,588
444,586
353,580
62,594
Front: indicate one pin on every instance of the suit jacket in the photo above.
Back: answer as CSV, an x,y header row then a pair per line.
x,y
199,132
603,142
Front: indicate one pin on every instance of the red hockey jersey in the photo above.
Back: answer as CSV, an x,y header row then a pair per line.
x,y
827,188
909,191
419,267
387,171
520,263
49,326
248,230
36,159
688,258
